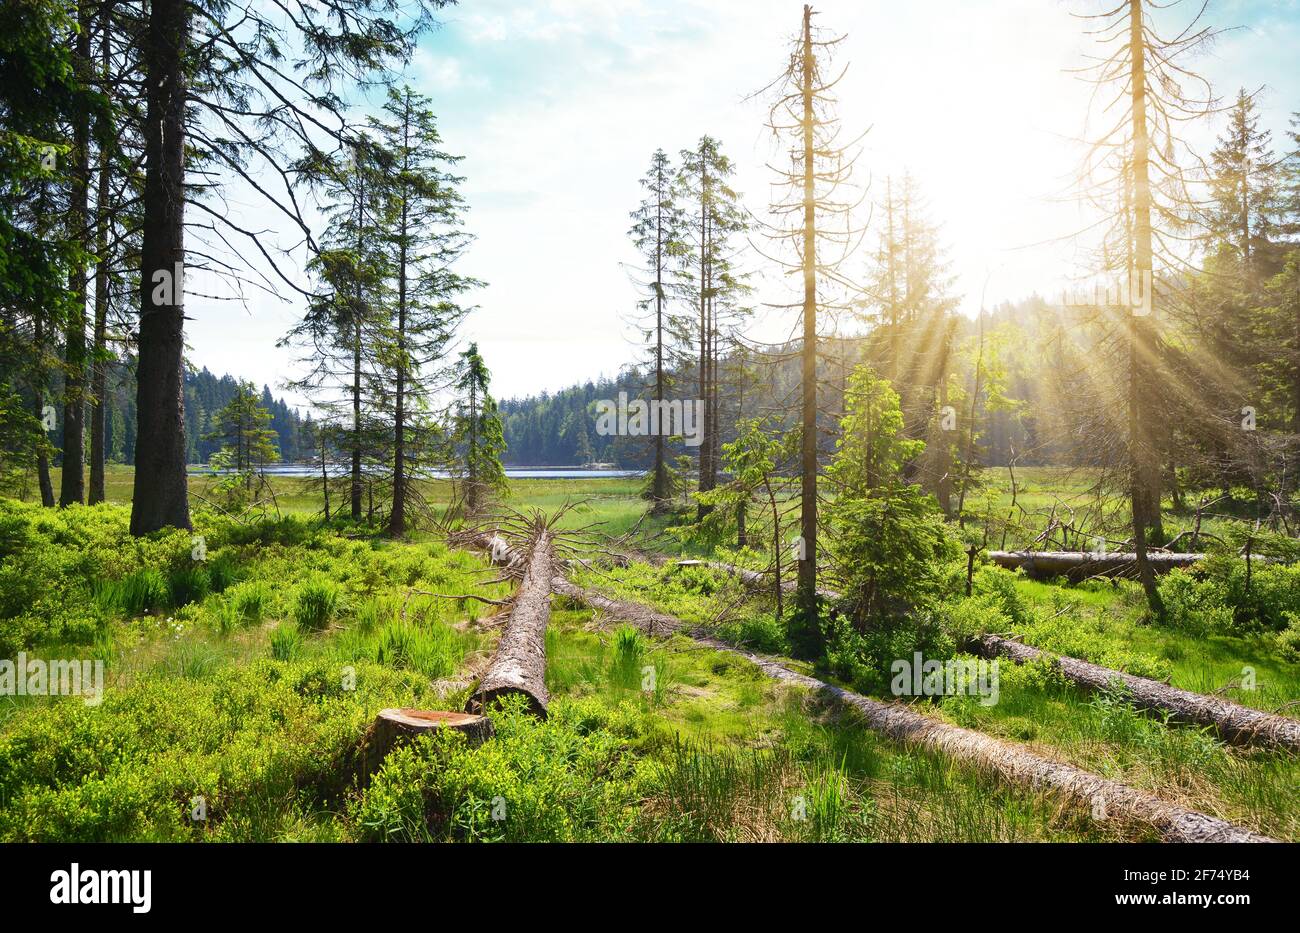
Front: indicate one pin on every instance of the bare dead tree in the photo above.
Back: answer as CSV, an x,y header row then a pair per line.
x,y
1132,173
814,232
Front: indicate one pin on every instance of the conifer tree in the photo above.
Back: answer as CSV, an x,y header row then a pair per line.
x,y
813,227
710,279
248,444
477,434
422,218
657,232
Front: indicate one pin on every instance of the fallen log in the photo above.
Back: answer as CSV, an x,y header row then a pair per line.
x,y
393,727
1013,763
1236,723
1079,565
519,666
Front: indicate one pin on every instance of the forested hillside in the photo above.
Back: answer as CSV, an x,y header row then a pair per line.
x,y
205,395
556,429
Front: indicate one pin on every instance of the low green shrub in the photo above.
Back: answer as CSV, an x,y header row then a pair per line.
x,y
863,659
262,744
564,779
1216,596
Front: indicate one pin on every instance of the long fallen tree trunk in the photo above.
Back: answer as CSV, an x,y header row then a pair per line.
x,y
1236,723
519,666
1079,565
1012,762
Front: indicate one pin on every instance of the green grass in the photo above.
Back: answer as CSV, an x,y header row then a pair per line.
x,y
648,739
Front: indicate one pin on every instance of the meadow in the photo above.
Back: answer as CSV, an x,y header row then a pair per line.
x,y
246,680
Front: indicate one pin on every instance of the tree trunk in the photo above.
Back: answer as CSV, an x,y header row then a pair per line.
x,y
1078,565
943,462
397,518
99,383
394,727
519,666
356,419
471,455
324,472
659,491
161,493
1236,723
72,485
1141,421
708,470
42,461
1013,763
807,590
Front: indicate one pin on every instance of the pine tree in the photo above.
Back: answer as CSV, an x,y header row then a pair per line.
x,y
423,212
1245,190
344,324
710,279
657,232
909,305
248,445
1132,174
477,433
812,224
888,545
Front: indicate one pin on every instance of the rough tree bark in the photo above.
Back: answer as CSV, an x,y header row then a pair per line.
x,y
99,371
1080,564
161,492
72,484
1236,723
1013,763
393,727
807,572
520,662
42,460
397,518
1143,475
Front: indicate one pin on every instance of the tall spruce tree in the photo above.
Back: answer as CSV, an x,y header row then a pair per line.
x,y
657,231
710,279
423,215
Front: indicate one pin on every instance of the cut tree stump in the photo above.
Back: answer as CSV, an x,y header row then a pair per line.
x,y
1079,565
393,727
519,666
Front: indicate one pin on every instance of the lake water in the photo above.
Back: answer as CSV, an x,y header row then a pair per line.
x,y
298,469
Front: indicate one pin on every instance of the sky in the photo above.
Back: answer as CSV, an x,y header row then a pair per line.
x,y
557,105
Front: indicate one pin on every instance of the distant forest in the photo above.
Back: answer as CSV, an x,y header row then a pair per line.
x,y
556,429
205,395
